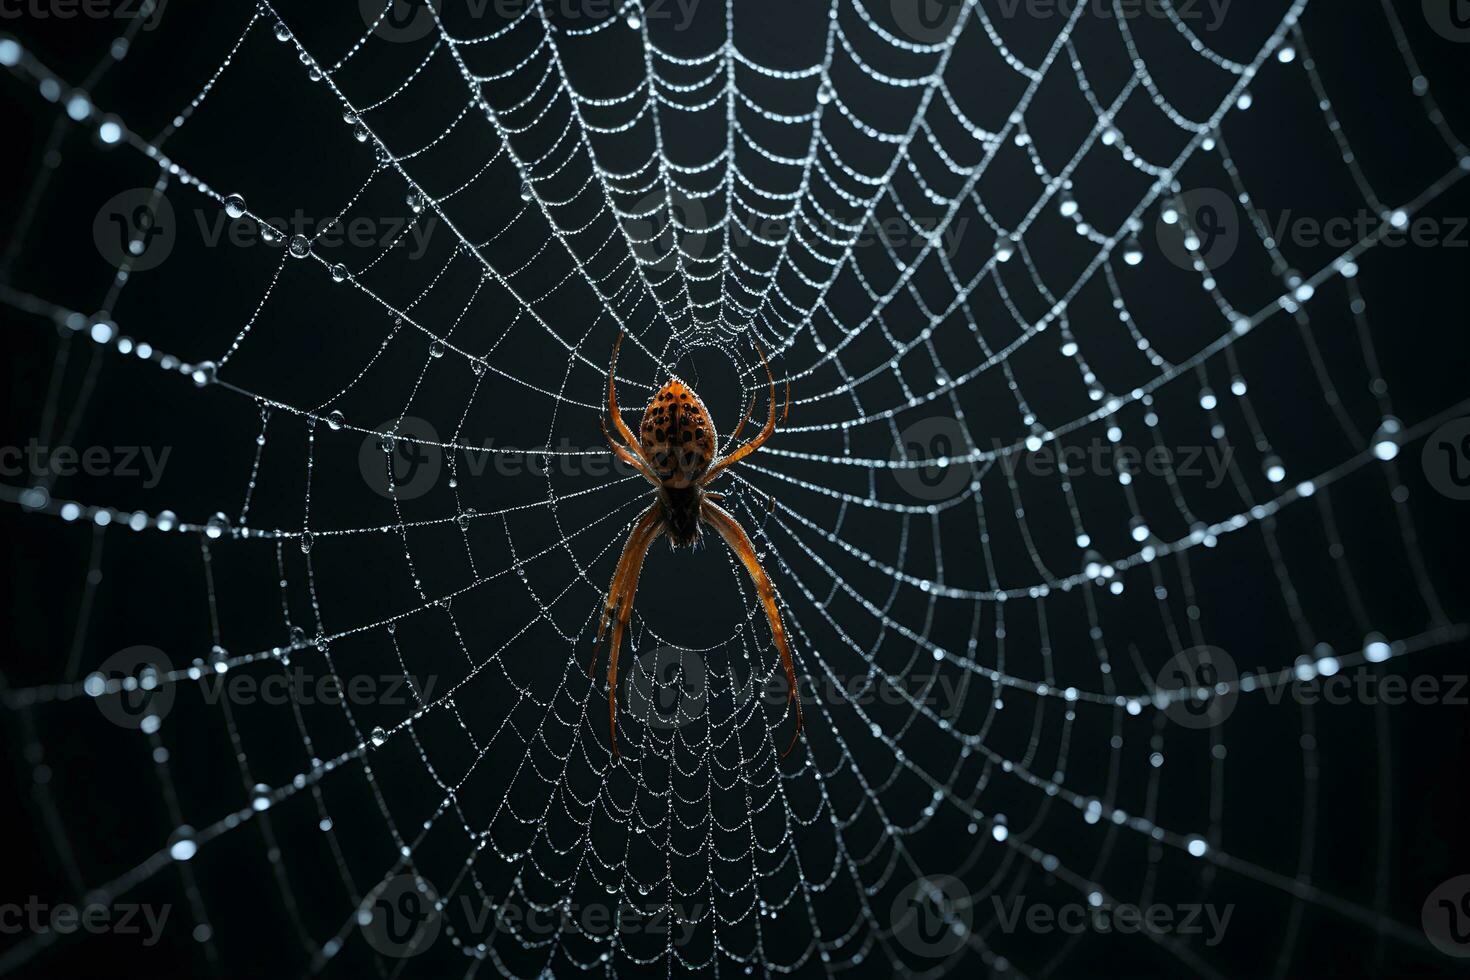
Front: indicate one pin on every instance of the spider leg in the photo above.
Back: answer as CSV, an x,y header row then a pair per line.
x,y
612,407
618,608
765,433
622,453
721,520
749,411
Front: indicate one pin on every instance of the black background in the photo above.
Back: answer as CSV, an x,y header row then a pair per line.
x,y
1373,814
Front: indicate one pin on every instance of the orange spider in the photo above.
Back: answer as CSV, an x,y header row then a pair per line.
x,y
677,455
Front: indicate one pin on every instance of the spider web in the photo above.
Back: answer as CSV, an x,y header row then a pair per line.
x,y
966,241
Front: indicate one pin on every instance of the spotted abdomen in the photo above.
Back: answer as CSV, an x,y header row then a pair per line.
x,y
677,435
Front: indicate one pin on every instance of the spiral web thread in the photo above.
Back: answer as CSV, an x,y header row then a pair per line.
x,y
824,834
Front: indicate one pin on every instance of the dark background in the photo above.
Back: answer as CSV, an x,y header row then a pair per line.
x,y
1360,801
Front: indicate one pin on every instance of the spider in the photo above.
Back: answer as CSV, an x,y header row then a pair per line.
x,y
676,453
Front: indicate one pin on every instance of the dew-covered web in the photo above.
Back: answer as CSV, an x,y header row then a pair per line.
x,y
966,240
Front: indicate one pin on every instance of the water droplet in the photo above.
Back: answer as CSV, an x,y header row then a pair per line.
x,y
1274,469
436,349
1133,251
477,366
181,844
379,737
300,247
1068,206
360,133
204,373
825,93
216,526
298,636
526,193
167,520
306,540
235,206
335,420
339,272
1005,247
283,33
635,20
415,201
260,798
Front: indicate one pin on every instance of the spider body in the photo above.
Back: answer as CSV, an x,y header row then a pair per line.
x,y
675,450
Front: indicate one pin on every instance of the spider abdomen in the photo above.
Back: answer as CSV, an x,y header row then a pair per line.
x,y
677,435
